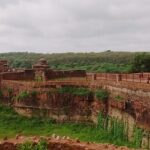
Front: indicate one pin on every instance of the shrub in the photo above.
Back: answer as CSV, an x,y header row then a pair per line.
x,y
33,94
25,146
42,145
75,91
102,94
23,95
81,92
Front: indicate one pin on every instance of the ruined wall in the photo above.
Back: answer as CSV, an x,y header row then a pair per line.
x,y
127,102
54,74
23,75
46,101
130,98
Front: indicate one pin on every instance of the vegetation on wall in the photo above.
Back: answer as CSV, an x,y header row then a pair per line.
x,y
137,138
23,95
118,98
102,94
75,91
119,130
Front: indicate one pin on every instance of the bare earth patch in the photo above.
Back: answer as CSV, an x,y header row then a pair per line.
x,y
57,143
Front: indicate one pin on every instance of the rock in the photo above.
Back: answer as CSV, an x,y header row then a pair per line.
x,y
49,138
123,148
17,136
36,139
63,138
77,140
106,146
53,135
57,137
88,143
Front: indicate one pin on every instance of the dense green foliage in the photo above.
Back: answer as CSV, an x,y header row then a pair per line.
x,y
25,95
94,62
107,61
22,95
116,128
141,63
11,124
102,94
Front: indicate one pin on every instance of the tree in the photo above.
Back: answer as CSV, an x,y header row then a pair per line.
x,y
141,63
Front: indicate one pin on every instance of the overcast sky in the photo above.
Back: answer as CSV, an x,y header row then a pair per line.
x,y
74,25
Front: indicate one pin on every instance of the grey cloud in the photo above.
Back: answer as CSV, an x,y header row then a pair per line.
x,y
74,25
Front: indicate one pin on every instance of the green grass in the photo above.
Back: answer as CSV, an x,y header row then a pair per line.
x,y
75,91
11,124
102,94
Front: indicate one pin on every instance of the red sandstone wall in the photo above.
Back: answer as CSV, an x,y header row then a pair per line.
x,y
133,77
25,75
50,74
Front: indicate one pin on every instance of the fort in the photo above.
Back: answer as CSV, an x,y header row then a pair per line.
x,y
41,91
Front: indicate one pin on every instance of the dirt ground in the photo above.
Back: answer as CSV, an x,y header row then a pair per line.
x,y
57,143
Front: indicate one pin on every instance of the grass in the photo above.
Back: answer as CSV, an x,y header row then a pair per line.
x,y
11,124
75,91
102,94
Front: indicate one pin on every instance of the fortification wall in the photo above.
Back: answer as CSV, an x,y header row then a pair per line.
x,y
23,75
128,102
50,74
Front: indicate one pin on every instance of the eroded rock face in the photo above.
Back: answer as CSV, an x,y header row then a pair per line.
x,y
126,102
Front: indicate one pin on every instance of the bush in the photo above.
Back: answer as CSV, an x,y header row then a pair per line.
x,y
141,63
42,145
33,94
75,91
118,98
23,95
102,94
25,146
81,92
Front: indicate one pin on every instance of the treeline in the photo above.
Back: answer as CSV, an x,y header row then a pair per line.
x,y
107,61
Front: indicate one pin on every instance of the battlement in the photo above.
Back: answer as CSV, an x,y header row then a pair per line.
x,y
3,66
39,72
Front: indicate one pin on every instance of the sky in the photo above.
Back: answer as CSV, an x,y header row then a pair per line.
x,y
57,26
